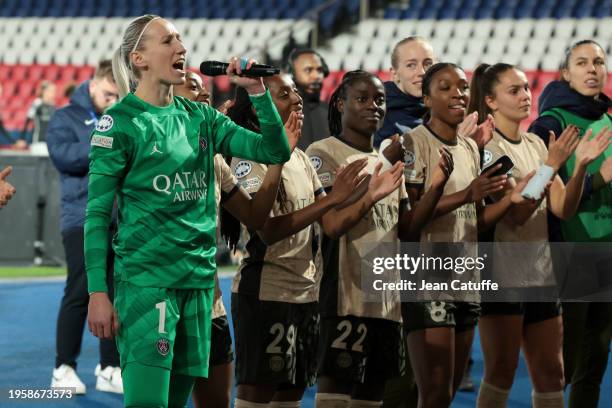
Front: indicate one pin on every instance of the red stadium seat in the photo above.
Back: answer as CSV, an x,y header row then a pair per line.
x,y
51,72
18,72
35,72
531,77
544,77
9,89
66,73
384,75
84,73
608,88
27,89
5,71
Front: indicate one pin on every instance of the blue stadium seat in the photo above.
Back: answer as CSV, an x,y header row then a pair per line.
x,y
489,4
38,11
186,12
603,11
219,13
455,4
483,13
392,13
410,13
428,13
524,11
467,13
329,17
542,11
352,5
239,13
447,13
87,11
294,13
256,13
562,12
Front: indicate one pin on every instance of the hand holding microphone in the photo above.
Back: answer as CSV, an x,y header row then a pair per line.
x,y
244,72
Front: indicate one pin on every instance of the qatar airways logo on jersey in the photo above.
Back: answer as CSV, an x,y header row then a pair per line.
x,y
383,216
182,186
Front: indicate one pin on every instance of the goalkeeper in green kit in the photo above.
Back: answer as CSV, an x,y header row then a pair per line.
x,y
155,154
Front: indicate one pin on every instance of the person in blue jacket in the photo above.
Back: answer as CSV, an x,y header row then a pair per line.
x,y
410,59
68,140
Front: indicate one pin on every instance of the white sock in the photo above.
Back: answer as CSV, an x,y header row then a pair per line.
x,y
239,403
547,399
355,403
327,400
285,404
490,396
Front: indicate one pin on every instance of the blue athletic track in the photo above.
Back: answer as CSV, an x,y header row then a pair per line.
x,y
28,313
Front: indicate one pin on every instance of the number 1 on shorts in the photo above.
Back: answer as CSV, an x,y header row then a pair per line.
x,y
162,317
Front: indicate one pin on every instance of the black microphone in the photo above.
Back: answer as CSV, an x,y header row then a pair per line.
x,y
215,68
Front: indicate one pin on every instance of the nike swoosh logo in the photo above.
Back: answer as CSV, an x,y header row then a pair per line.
x,y
402,128
89,122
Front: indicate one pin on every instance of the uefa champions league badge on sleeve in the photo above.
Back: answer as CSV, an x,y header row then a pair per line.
x,y
243,169
105,123
487,157
316,162
409,158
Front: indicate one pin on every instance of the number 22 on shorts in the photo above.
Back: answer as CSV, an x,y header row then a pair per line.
x,y
345,327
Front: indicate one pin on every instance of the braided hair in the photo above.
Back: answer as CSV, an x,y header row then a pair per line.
x,y
243,114
334,117
428,77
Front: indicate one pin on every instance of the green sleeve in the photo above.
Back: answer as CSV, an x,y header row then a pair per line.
x,y
269,147
100,200
109,158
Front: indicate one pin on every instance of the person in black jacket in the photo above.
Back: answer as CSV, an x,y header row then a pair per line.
x,y
68,141
579,99
308,69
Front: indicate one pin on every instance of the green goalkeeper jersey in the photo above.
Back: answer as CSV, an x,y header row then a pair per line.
x,y
162,162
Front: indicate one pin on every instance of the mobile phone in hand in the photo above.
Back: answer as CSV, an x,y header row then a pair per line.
x,y
506,166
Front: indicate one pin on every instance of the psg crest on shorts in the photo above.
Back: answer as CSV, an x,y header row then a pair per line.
x,y
163,347
203,143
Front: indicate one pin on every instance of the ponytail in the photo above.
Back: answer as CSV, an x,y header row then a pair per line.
x,y
121,74
484,79
126,77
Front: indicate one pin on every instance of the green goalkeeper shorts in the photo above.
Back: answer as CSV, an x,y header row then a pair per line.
x,y
168,328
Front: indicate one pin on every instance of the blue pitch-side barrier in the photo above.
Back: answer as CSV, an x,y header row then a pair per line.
x,y
28,313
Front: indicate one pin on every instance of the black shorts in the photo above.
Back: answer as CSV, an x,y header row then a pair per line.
x,y
361,350
220,342
276,342
427,315
533,312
